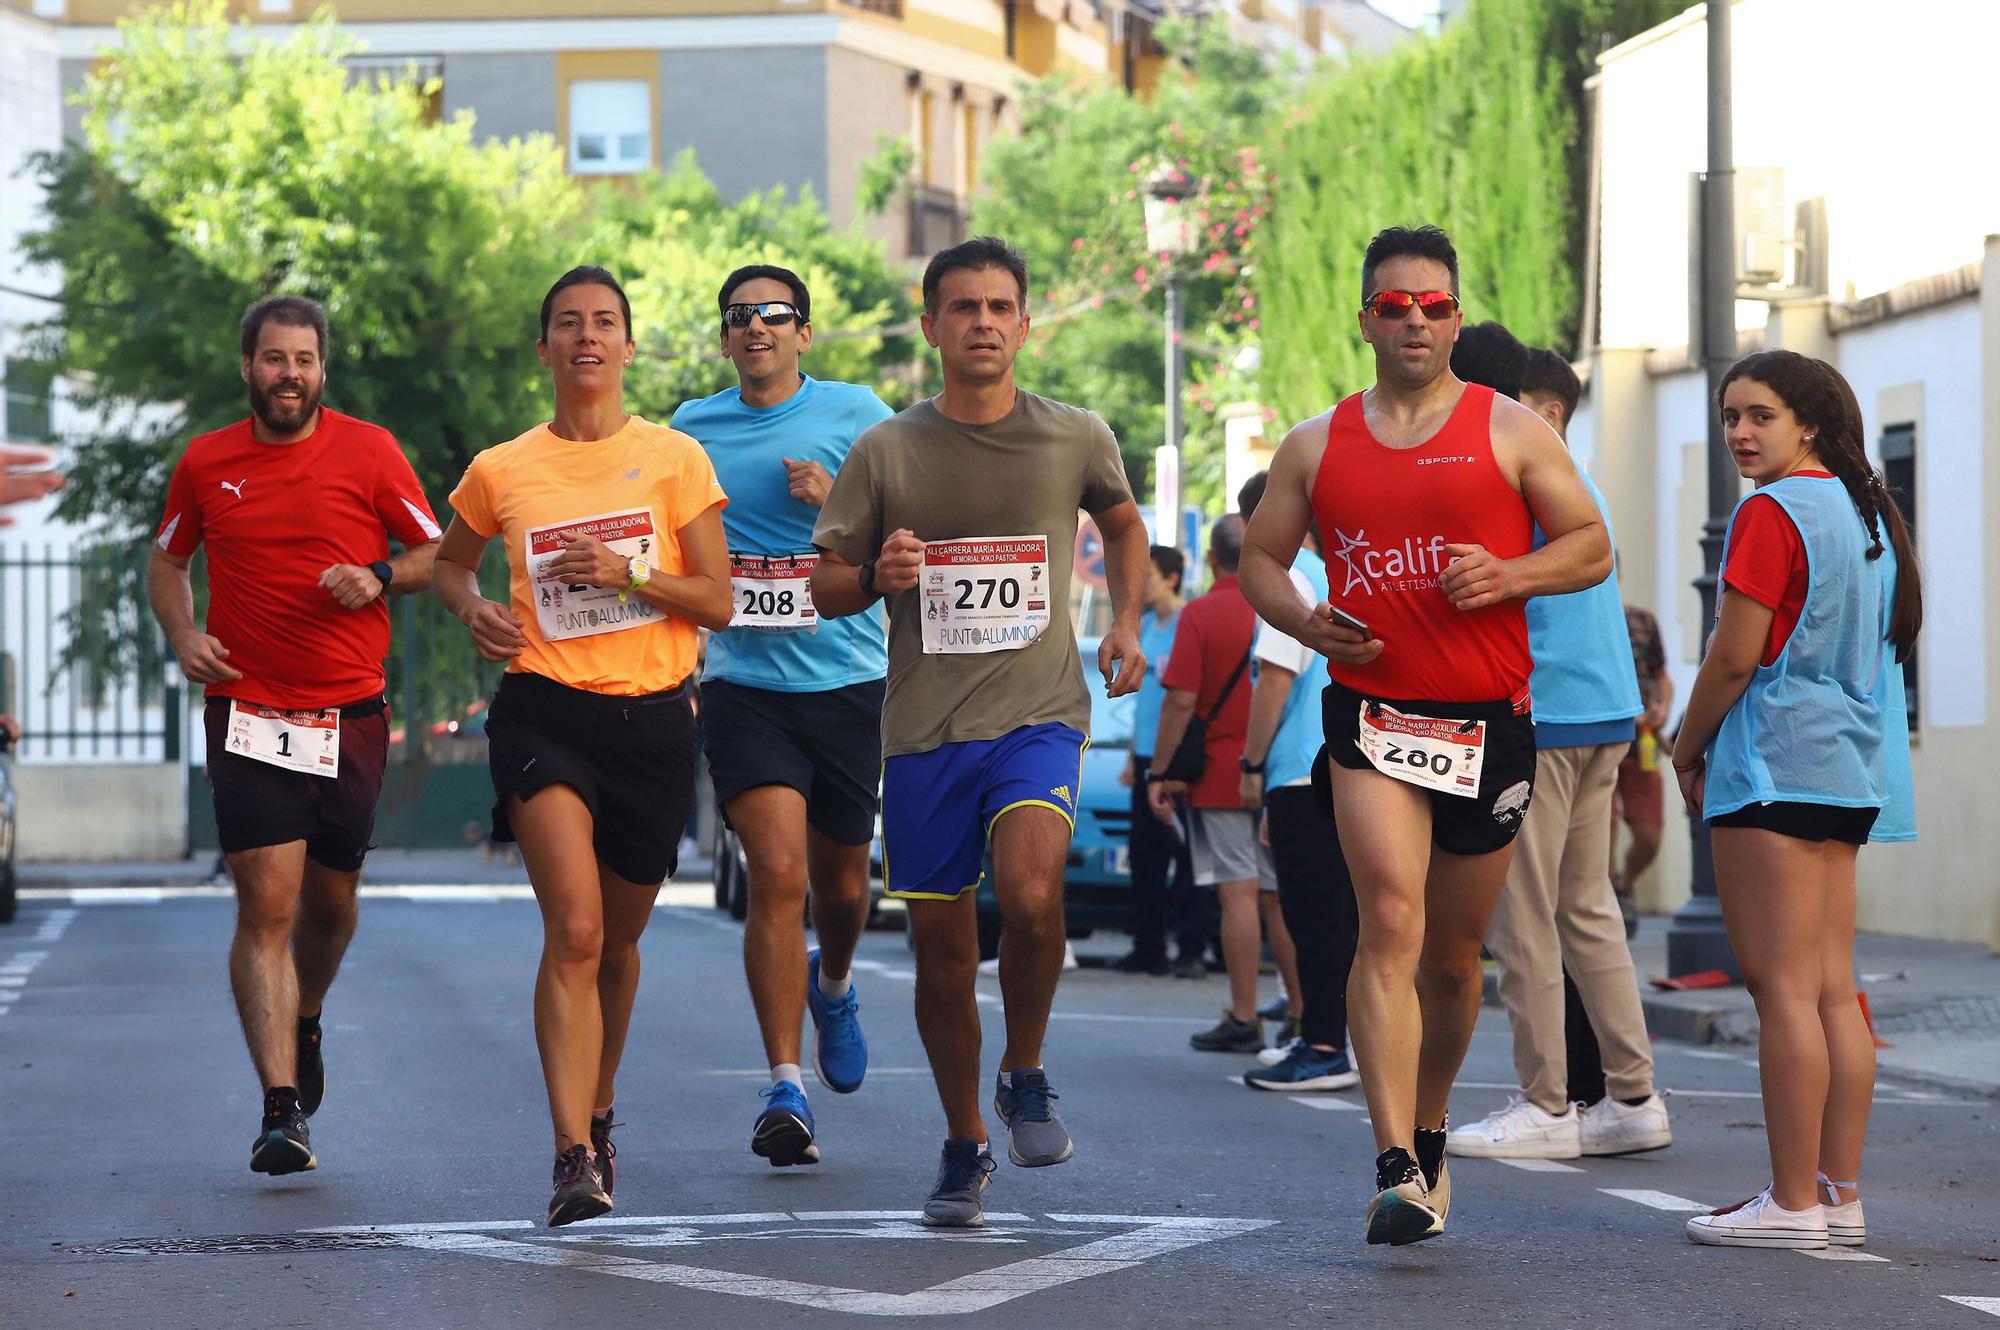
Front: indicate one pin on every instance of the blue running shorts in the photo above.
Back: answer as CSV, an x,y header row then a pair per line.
x,y
939,807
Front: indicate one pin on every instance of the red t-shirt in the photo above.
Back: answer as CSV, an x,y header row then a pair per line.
x,y
276,516
1214,636
1766,561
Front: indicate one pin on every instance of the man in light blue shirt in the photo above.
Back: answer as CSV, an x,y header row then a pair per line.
x,y
791,706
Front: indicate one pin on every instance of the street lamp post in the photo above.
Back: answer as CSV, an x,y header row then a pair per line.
x,y
1170,234
1697,940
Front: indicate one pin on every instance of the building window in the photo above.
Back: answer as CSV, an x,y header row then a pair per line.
x,y
610,126
1899,468
30,392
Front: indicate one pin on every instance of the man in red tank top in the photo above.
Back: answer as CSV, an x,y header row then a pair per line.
x,y
1426,491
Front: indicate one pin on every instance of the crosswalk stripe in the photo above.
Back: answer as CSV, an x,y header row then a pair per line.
x,y
1539,1165
1844,1254
1658,1200
1991,1306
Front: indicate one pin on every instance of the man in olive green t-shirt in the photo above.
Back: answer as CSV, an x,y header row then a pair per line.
x,y
962,511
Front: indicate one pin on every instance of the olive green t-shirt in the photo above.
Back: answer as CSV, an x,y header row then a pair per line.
x,y
1024,475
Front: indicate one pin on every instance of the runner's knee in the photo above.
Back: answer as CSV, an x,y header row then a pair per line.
x,y
573,939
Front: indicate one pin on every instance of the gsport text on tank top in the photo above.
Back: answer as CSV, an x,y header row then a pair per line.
x,y
1385,516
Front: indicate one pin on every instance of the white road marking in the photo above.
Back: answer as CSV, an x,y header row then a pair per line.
x,y
1844,1254
763,1073
1707,1053
1328,1105
1658,1200
1991,1306
116,896
12,980
1146,1237
1539,1165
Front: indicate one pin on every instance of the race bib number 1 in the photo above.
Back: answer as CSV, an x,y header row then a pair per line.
x,y
307,741
985,594
570,609
1438,754
773,593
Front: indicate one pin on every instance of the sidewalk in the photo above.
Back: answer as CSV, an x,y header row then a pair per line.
x,y
1936,1003
386,867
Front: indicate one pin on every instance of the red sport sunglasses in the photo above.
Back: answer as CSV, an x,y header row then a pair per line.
x,y
1436,305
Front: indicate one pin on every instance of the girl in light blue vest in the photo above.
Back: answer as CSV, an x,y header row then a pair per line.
x,y
1796,750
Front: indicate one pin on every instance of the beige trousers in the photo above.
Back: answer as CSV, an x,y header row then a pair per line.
x,y
1557,912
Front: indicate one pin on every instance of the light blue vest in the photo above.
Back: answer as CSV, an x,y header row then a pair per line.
x,y
1299,736
1825,722
1583,657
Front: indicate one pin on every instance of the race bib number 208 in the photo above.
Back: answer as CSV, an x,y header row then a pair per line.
x,y
985,594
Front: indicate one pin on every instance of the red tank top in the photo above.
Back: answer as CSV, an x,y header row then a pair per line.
x,y
1385,515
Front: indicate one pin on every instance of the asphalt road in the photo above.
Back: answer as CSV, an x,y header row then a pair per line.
x,y
127,1107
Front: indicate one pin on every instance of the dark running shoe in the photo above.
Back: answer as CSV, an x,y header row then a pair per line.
x,y
1229,1036
283,1144
1137,961
1401,1212
962,1174
580,1191
312,1071
1037,1136
607,1153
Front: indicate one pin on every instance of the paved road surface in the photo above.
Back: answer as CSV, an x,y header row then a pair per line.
x,y
127,1109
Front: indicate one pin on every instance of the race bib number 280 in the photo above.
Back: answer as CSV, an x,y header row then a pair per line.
x,y
1438,754
985,594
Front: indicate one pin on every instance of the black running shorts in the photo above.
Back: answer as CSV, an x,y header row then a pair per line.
x,y
826,745
257,804
630,759
1486,822
1818,823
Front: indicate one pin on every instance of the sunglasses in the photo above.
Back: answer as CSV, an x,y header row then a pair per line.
x,y
775,313
1396,304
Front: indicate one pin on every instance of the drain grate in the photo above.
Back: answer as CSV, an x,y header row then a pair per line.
x,y
242,1243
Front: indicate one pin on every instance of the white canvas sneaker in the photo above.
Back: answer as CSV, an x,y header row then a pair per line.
x,y
1608,1127
1522,1130
1844,1225
1761,1222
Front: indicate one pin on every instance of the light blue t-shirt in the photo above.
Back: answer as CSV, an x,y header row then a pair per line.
x,y
1585,689
748,445
1300,734
1156,642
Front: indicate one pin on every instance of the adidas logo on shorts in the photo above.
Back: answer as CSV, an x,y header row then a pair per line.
x,y
1062,792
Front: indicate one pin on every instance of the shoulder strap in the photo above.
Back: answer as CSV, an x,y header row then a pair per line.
x,y
1230,687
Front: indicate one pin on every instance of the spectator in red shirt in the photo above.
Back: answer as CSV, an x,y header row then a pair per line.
x,y
1208,675
297,505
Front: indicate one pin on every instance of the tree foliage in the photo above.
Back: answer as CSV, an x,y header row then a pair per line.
x,y
1474,129
1067,191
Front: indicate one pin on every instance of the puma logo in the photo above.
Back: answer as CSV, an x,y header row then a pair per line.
x,y
237,488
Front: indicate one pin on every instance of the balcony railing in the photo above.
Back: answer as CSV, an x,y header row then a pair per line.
x,y
936,220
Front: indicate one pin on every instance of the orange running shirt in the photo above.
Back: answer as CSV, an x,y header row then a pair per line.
x,y
634,491
1385,515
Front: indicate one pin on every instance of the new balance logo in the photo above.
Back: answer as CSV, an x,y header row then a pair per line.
x,y
237,488
1062,792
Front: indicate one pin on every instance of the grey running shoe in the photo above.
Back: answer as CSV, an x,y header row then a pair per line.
x,y
1038,1137
963,1174
579,1191
1229,1036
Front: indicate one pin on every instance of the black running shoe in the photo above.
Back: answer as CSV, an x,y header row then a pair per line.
x,y
283,1144
580,1192
312,1071
607,1153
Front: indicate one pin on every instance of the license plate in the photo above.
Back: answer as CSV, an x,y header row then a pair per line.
x,y
1118,860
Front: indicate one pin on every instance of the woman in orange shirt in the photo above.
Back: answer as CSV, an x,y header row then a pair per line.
x,y
616,558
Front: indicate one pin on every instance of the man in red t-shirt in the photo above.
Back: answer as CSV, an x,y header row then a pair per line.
x,y
297,505
1208,675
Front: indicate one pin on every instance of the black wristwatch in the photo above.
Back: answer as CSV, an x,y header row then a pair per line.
x,y
1243,765
868,581
383,571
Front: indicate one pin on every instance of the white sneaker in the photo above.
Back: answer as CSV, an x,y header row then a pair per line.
x,y
1608,1127
1522,1130
1761,1222
1844,1225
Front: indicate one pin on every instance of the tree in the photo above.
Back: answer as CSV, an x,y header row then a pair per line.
x,y
1474,129
1066,190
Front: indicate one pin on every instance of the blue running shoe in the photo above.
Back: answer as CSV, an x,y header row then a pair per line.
x,y
1305,1068
784,1130
840,1053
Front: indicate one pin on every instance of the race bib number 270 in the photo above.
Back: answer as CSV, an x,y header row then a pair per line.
x,y
984,594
